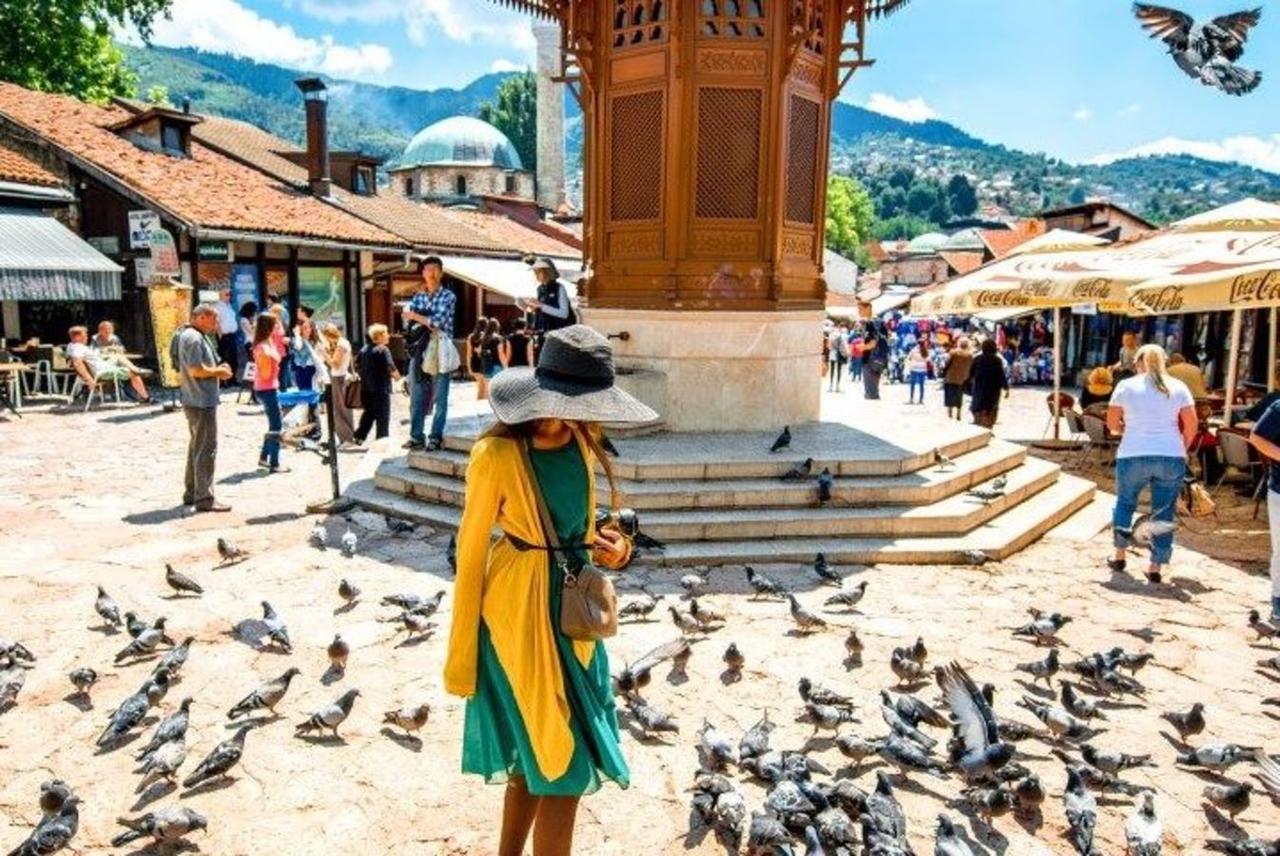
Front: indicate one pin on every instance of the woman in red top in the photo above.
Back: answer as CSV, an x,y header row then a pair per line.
x,y
266,385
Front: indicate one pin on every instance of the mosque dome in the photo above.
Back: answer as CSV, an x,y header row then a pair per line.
x,y
929,242
966,240
460,140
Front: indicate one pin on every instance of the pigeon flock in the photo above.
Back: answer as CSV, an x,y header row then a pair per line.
x,y
166,733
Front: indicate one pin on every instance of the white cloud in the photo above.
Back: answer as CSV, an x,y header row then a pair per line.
x,y
1260,152
1082,114
1130,110
910,110
503,65
458,20
224,26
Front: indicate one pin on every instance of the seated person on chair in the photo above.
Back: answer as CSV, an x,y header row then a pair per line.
x,y
106,339
91,365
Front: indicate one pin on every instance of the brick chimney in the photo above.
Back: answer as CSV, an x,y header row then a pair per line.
x,y
316,97
550,178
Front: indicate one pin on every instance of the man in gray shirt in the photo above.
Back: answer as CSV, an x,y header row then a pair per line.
x,y
198,365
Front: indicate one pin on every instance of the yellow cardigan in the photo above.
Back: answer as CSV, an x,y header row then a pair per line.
x,y
510,590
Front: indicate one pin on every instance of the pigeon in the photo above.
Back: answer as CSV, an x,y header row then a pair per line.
x,y
857,749
1000,482
685,622
134,625
174,659
1232,799
268,695
818,694
1264,629
1272,663
218,763
635,676
916,652
714,748
915,711
790,802
833,828
1082,813
733,659
980,750
948,841
800,472
1044,628
825,484
649,718
898,725
53,794
1205,50
416,624
11,683
941,461
1215,756
991,802
644,541
976,557
806,621
783,441
1143,830
277,632
349,541
907,756
338,652
907,670
157,686
396,526
680,659
728,814
1246,847
705,616
82,679
1076,704
107,608
172,727
181,583
987,493
145,643
824,572
1144,532
762,586
230,552
1113,762
410,719
1028,792
52,833
693,584
330,716
853,645
1060,722
125,718
1268,774
16,651
1133,662
884,825
162,762
828,717
168,826
641,607
320,536
348,592
1042,669
756,741
848,599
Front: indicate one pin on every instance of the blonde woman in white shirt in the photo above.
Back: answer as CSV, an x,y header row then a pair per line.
x,y
337,358
1155,416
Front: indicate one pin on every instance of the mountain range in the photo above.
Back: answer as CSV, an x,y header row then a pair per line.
x,y
380,120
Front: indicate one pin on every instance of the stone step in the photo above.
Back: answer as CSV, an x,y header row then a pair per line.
x,y
436,476
998,538
846,451
953,515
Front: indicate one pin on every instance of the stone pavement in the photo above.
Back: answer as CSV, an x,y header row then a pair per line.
x,y
89,499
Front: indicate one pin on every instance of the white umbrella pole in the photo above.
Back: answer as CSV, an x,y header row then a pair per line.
x,y
1271,351
1233,362
1057,371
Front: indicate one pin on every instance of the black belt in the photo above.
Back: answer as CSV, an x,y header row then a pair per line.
x,y
525,547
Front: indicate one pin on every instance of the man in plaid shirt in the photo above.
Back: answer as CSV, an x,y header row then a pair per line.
x,y
433,307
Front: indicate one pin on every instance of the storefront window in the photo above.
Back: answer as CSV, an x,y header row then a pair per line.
x,y
324,290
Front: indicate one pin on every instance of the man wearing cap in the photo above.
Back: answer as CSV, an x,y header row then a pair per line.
x,y
552,308
433,307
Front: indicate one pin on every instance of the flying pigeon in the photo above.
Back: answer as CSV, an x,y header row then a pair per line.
x,y
1205,50
330,716
783,441
981,751
167,826
220,761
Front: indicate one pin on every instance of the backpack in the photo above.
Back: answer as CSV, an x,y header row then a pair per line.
x,y
174,349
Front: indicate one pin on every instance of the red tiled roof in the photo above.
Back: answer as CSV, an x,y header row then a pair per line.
x,y
962,261
1001,241
208,190
21,169
510,234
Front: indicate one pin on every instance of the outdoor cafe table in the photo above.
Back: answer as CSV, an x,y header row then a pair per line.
x,y
11,375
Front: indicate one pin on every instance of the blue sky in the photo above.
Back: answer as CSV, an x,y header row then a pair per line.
x,y
1077,79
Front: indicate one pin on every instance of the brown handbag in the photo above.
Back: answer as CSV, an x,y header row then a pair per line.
x,y
588,603
351,392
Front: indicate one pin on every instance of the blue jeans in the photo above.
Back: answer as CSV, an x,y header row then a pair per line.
x,y
425,391
270,399
915,380
1163,474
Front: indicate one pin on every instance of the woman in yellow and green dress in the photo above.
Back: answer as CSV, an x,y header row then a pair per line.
x,y
540,715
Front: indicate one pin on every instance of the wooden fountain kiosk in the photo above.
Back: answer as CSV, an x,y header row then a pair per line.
x,y
706,136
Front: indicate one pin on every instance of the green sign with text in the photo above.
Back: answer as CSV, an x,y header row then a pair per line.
x,y
215,251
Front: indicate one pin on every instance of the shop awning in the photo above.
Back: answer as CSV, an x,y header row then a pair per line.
x,y
889,301
41,259
510,278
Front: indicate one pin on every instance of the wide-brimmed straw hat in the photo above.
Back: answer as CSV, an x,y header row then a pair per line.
x,y
574,380
1100,381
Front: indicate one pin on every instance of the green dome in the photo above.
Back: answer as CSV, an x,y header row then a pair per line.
x,y
965,240
460,140
929,242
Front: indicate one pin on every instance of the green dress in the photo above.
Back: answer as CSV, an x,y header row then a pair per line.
x,y
495,743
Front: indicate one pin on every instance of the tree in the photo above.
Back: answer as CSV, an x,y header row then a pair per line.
x,y
514,112
849,217
904,227
159,96
922,198
1077,195
961,196
66,46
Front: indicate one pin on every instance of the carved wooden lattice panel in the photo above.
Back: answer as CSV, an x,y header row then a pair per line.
x,y
802,159
639,22
807,17
728,153
732,19
635,152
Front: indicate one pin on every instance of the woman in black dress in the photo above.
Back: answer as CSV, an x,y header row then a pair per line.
x,y
517,349
491,349
475,358
989,379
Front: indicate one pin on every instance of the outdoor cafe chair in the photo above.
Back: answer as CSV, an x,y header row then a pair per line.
x,y
1235,449
1100,439
99,389
1067,404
